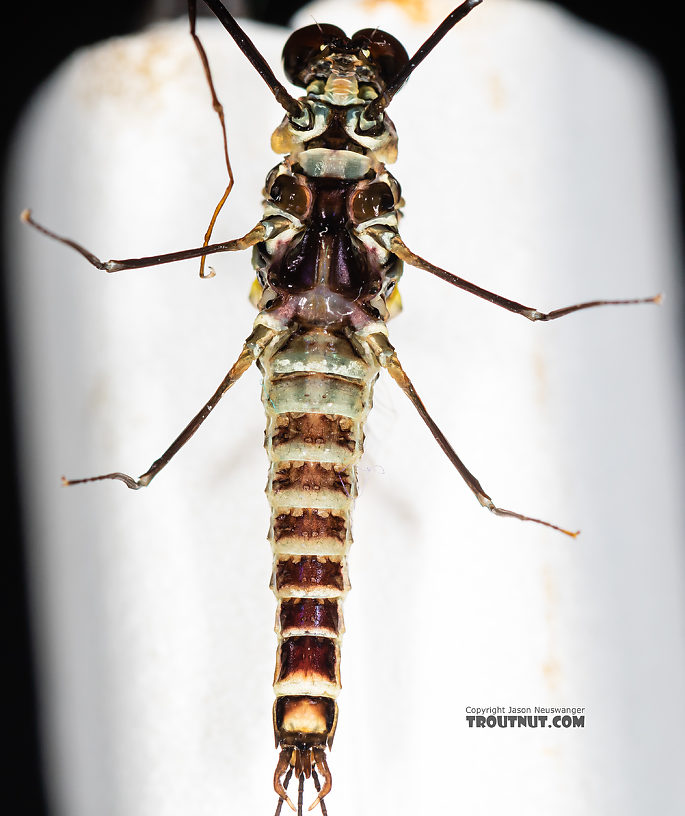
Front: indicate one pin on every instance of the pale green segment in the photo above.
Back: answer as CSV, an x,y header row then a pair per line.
x,y
317,500
345,390
304,452
319,353
316,372
317,395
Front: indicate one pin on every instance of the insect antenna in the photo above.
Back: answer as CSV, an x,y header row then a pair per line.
x,y
378,105
219,110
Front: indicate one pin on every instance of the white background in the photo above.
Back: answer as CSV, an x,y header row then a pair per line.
x,y
534,162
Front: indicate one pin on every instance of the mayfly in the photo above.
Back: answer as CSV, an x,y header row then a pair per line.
x,y
328,256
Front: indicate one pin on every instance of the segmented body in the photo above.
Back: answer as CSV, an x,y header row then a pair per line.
x,y
328,255
324,279
317,394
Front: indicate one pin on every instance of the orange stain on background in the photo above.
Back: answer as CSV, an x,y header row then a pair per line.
x,y
417,10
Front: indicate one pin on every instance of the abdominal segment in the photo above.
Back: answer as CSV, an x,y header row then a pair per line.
x,y
317,393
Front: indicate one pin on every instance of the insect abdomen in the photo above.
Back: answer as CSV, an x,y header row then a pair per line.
x,y
317,393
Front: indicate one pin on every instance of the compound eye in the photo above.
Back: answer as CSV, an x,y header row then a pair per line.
x,y
385,51
372,201
290,196
303,47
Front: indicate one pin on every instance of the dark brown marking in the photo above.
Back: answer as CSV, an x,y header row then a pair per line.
x,y
339,261
335,136
310,524
371,200
320,614
316,377
314,657
314,476
291,194
314,429
309,571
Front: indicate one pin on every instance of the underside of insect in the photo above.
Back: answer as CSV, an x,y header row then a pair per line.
x,y
328,256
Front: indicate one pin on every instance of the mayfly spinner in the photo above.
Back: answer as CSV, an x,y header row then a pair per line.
x,y
328,256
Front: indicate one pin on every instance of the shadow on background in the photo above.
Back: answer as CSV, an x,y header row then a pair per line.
x,y
42,39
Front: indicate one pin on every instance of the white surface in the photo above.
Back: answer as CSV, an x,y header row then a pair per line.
x,y
534,162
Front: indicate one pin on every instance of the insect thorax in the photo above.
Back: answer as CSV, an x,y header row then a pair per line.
x,y
327,205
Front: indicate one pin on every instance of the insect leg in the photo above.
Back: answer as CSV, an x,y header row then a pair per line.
x,y
254,345
284,99
254,236
387,358
219,110
396,245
